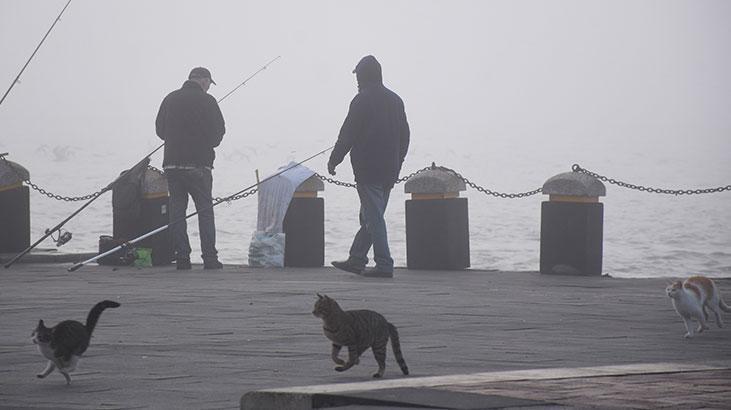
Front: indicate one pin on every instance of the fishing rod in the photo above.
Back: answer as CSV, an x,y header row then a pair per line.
x,y
145,160
264,67
34,53
162,228
49,232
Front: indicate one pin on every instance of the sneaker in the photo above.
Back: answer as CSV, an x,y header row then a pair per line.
x,y
377,273
348,266
182,264
214,264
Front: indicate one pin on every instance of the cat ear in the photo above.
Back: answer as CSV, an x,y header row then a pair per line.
x,y
40,323
319,296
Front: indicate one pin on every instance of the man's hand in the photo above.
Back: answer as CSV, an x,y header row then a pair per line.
x,y
330,168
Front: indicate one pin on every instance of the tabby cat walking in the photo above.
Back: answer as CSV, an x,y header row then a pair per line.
x,y
64,343
693,298
358,330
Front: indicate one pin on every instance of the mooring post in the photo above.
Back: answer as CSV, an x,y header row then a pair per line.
x,y
151,212
572,225
437,226
15,206
304,226
154,214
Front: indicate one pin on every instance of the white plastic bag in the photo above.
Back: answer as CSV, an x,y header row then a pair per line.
x,y
266,249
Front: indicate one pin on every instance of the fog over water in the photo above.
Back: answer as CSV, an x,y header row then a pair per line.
x,y
509,93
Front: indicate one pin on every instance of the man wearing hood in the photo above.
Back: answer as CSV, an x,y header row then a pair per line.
x,y
376,134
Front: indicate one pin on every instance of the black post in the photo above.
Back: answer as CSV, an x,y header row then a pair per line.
x,y
572,224
437,222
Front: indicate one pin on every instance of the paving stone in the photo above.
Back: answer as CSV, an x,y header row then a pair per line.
x,y
202,339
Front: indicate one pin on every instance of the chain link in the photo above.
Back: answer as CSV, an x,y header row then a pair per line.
x,y
487,191
51,194
232,198
217,199
335,181
457,174
577,168
352,185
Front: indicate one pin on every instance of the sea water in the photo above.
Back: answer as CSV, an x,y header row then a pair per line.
x,y
645,235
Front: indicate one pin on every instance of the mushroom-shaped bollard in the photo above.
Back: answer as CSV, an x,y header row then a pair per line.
x,y
304,226
15,205
437,226
572,225
140,205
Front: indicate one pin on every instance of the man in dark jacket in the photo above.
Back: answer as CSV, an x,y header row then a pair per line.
x,y
376,134
191,124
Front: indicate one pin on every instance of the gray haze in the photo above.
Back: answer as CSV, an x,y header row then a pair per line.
x,y
509,92
543,75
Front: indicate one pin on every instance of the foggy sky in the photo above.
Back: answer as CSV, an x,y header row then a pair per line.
x,y
573,79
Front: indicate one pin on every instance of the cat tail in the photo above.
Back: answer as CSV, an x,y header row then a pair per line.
x,y
96,311
396,346
723,305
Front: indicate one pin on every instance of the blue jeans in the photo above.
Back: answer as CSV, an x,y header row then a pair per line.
x,y
373,201
198,183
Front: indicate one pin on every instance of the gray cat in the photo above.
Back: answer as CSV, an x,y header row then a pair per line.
x,y
358,330
64,343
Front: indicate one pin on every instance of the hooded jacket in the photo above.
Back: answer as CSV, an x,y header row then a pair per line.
x,y
375,131
191,124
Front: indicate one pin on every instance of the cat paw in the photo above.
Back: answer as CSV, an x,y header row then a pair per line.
x,y
377,375
340,369
688,336
339,361
40,376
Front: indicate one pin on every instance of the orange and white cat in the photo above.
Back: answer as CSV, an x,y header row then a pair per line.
x,y
693,298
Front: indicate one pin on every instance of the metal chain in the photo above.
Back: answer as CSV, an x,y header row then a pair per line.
x,y
487,191
406,178
218,198
352,185
232,198
457,174
51,194
577,168
335,181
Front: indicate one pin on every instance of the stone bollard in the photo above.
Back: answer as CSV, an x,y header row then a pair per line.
x,y
437,228
304,226
148,210
15,206
572,225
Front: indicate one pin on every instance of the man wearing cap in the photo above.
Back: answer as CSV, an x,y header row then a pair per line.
x,y
191,124
376,134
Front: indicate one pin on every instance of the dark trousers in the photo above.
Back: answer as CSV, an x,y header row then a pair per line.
x,y
372,232
198,183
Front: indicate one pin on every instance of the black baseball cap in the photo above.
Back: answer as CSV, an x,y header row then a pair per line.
x,y
200,72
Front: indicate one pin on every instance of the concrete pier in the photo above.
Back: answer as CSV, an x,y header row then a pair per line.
x,y
205,339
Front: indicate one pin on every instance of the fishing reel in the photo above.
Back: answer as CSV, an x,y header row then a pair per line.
x,y
63,237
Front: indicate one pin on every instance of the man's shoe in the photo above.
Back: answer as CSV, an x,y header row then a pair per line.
x,y
348,267
215,264
377,273
182,264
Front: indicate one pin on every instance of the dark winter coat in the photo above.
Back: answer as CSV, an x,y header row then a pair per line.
x,y
191,124
375,131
